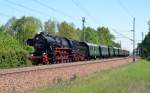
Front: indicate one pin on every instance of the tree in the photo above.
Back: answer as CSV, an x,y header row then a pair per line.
x,y
79,34
49,27
90,35
8,26
25,28
105,37
2,28
10,22
146,46
68,31
139,49
116,45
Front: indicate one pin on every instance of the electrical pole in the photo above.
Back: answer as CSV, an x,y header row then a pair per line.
x,y
83,28
142,36
120,44
141,50
133,39
149,25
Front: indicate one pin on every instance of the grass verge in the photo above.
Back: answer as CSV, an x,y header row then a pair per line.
x,y
132,78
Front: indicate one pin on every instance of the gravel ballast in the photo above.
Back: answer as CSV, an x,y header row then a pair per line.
x,y
27,78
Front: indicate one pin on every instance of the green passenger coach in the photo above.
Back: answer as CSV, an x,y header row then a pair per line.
x,y
93,50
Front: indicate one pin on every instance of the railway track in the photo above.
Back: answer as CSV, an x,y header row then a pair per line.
x,y
54,66
22,80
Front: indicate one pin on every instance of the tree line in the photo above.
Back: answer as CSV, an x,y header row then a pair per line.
x,y
143,48
16,31
27,27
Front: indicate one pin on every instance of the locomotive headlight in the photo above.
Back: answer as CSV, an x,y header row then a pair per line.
x,y
37,38
44,54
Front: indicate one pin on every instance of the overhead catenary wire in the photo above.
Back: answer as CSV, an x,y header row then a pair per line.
x,y
27,8
5,15
53,9
37,11
128,12
83,9
125,9
10,6
87,13
124,36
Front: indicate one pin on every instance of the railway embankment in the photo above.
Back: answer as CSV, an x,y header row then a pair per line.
x,y
27,78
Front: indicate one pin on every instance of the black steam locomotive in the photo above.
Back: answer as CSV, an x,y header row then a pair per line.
x,y
53,49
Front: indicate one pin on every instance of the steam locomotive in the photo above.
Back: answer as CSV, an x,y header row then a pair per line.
x,y
53,49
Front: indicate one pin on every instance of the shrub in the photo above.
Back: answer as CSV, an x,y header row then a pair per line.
x,y
11,52
29,49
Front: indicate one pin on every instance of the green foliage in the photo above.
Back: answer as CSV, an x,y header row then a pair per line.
x,y
49,26
91,35
105,37
116,45
145,47
2,28
25,28
133,78
11,53
100,36
8,26
15,58
29,49
68,31
79,34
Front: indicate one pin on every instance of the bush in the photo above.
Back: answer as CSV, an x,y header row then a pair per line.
x,y
29,49
11,52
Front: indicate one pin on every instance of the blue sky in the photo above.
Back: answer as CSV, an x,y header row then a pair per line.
x,y
115,14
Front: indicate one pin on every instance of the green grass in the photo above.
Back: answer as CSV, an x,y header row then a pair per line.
x,y
132,78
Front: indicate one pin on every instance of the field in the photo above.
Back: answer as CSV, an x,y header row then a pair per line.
x,y
132,78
